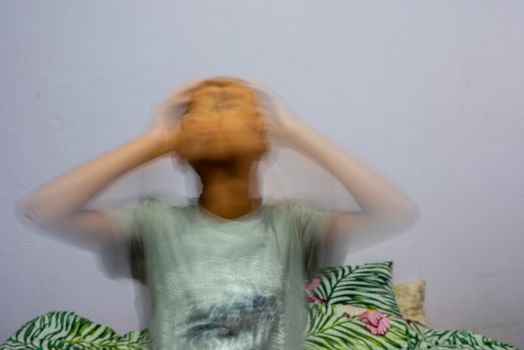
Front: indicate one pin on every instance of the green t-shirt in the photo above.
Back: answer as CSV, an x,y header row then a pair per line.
x,y
223,284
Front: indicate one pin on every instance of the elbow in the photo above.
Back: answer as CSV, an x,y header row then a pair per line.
x,y
28,215
24,213
401,218
408,217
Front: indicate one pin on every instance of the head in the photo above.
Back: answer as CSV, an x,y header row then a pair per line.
x,y
226,113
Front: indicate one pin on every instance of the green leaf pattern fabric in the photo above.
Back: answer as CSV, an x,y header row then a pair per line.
x,y
422,338
69,331
328,327
367,286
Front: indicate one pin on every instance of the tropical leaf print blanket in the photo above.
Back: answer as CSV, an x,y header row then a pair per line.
x,y
328,328
347,307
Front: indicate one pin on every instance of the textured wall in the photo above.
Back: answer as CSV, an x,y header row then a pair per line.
x,y
427,93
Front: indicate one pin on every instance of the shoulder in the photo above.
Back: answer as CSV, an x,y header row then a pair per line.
x,y
158,202
287,202
295,207
178,208
292,203
154,207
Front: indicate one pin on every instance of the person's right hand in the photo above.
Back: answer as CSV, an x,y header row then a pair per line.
x,y
165,123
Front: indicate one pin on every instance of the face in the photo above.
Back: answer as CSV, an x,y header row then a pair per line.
x,y
222,123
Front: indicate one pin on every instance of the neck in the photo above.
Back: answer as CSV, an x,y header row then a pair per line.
x,y
229,191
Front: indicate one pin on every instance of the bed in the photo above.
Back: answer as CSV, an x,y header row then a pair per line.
x,y
347,307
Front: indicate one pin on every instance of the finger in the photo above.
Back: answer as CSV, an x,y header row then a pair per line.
x,y
254,84
263,91
256,87
267,110
178,99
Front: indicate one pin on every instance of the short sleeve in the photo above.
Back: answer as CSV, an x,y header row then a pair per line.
x,y
313,226
124,220
126,255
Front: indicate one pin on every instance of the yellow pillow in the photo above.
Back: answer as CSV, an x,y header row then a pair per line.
x,y
410,299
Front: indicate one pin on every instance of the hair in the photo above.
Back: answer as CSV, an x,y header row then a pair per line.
x,y
216,101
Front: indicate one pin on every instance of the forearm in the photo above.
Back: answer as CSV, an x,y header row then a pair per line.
x,y
72,190
374,194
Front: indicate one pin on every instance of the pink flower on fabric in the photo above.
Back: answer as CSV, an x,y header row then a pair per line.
x,y
313,283
314,299
376,322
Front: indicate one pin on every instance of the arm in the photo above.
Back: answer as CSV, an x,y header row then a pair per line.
x,y
58,205
69,192
378,199
384,209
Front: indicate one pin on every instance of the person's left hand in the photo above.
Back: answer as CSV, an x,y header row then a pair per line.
x,y
280,122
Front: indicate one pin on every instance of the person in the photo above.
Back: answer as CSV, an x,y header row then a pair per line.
x,y
226,270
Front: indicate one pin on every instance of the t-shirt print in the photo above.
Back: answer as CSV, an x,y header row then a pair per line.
x,y
232,304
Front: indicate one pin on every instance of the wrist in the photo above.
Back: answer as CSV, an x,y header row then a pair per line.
x,y
296,135
158,141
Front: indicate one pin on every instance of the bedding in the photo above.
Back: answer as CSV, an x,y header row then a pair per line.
x,y
410,298
326,329
355,307
348,307
367,286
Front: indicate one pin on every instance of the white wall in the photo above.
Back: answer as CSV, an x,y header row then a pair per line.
x,y
427,93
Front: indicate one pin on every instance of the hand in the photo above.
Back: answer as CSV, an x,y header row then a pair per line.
x,y
280,121
165,123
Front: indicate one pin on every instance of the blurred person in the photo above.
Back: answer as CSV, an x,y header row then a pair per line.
x,y
227,270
